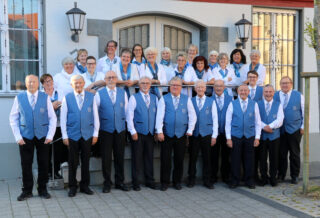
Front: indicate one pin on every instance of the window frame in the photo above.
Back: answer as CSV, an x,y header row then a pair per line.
x,y
5,46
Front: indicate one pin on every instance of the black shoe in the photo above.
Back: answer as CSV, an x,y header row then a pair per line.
x,y
214,180
226,181
251,186
72,192
44,194
280,178
106,189
86,190
152,185
177,186
294,180
262,182
273,182
24,196
233,185
209,185
123,187
190,184
136,188
164,187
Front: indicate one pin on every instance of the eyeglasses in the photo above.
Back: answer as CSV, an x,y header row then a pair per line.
x,y
143,83
252,77
111,77
48,81
175,85
91,63
111,46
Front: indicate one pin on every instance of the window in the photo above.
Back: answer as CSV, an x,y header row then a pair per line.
x,y
274,34
21,51
137,34
176,39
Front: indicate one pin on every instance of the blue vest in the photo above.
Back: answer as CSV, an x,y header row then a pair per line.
x,y
112,117
243,124
204,122
33,123
144,117
176,121
267,119
292,113
80,123
258,95
222,113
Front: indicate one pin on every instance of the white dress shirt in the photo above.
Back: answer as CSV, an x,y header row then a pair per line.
x,y
214,113
282,97
15,114
130,112
277,123
60,97
87,80
64,113
192,116
133,76
257,119
140,67
162,77
62,81
222,99
97,98
255,91
261,72
243,75
217,76
169,71
189,76
102,65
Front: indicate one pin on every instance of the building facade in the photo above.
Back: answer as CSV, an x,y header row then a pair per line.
x,y
35,36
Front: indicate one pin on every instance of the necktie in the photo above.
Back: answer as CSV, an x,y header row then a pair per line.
x,y
268,108
176,102
200,103
220,105
146,100
285,102
244,106
252,93
112,96
33,101
80,101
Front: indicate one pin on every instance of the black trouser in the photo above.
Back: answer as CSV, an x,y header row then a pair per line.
x,y
257,162
60,152
197,143
290,143
179,147
26,154
242,148
83,147
112,143
142,158
271,148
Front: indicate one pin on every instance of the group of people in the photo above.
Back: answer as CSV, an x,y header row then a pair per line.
x,y
228,116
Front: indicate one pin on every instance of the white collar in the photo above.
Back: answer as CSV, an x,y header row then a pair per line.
x,y
266,102
252,87
222,95
288,93
108,89
240,99
175,96
76,93
143,94
29,94
203,97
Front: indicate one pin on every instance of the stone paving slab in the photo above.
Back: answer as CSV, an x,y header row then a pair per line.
x,y
195,202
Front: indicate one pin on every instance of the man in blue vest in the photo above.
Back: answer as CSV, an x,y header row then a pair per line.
x,y
255,95
292,130
243,129
204,135
222,101
141,119
33,124
112,104
79,121
176,119
271,113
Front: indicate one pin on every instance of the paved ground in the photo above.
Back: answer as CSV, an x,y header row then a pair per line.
x,y
195,202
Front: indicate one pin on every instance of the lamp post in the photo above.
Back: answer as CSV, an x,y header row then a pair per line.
x,y
243,27
76,21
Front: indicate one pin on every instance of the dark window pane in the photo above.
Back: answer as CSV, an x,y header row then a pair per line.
x,y
23,44
19,70
138,34
23,14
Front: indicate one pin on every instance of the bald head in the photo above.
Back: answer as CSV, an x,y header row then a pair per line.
x,y
32,83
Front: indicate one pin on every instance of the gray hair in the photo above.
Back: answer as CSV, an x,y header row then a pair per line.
x,y
218,80
144,77
213,52
221,55
182,54
199,82
175,79
268,85
193,46
167,50
76,77
255,52
67,60
151,50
